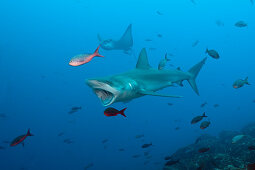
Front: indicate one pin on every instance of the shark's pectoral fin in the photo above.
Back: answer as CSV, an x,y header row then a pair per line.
x,y
152,93
179,83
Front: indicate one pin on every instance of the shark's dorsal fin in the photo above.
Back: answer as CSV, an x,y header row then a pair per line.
x,y
152,93
142,62
127,36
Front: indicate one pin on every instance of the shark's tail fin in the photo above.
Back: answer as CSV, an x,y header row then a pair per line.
x,y
194,72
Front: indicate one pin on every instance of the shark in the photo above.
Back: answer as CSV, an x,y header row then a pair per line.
x,y
125,43
141,81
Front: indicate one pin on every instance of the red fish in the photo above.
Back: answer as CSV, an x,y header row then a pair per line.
x,y
84,58
20,139
114,112
203,150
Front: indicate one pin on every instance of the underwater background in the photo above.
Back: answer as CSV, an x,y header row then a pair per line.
x,y
38,87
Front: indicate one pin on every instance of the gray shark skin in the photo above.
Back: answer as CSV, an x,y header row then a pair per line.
x,y
125,43
143,80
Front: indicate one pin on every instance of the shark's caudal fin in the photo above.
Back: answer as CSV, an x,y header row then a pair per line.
x,y
127,37
194,72
142,62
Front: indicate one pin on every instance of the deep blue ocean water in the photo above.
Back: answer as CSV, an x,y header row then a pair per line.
x,y
38,87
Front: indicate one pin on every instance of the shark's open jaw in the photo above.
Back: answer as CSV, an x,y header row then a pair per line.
x,y
106,97
104,91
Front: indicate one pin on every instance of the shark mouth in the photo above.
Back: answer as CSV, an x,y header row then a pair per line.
x,y
104,91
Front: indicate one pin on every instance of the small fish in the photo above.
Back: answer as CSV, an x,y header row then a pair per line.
x,y
148,40
88,166
72,112
177,128
195,43
121,149
75,108
203,104
214,54
240,83
159,13
2,115
170,104
61,134
253,101
216,105
2,148
146,145
203,150
219,23
5,141
252,2
204,124
198,118
105,140
105,146
241,24
251,148
139,136
168,158
136,156
171,162
114,112
20,139
163,62
68,141
160,35
84,58
237,138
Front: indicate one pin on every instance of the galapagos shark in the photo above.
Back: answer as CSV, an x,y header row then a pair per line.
x,y
125,43
141,81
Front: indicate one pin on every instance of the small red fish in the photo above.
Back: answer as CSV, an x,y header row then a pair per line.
x,y
114,112
203,150
84,58
20,139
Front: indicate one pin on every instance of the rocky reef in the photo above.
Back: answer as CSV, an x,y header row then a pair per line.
x,y
222,154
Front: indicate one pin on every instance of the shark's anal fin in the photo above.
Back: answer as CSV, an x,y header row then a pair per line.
x,y
152,93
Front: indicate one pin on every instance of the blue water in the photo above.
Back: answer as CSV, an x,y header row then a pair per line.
x,y
38,87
